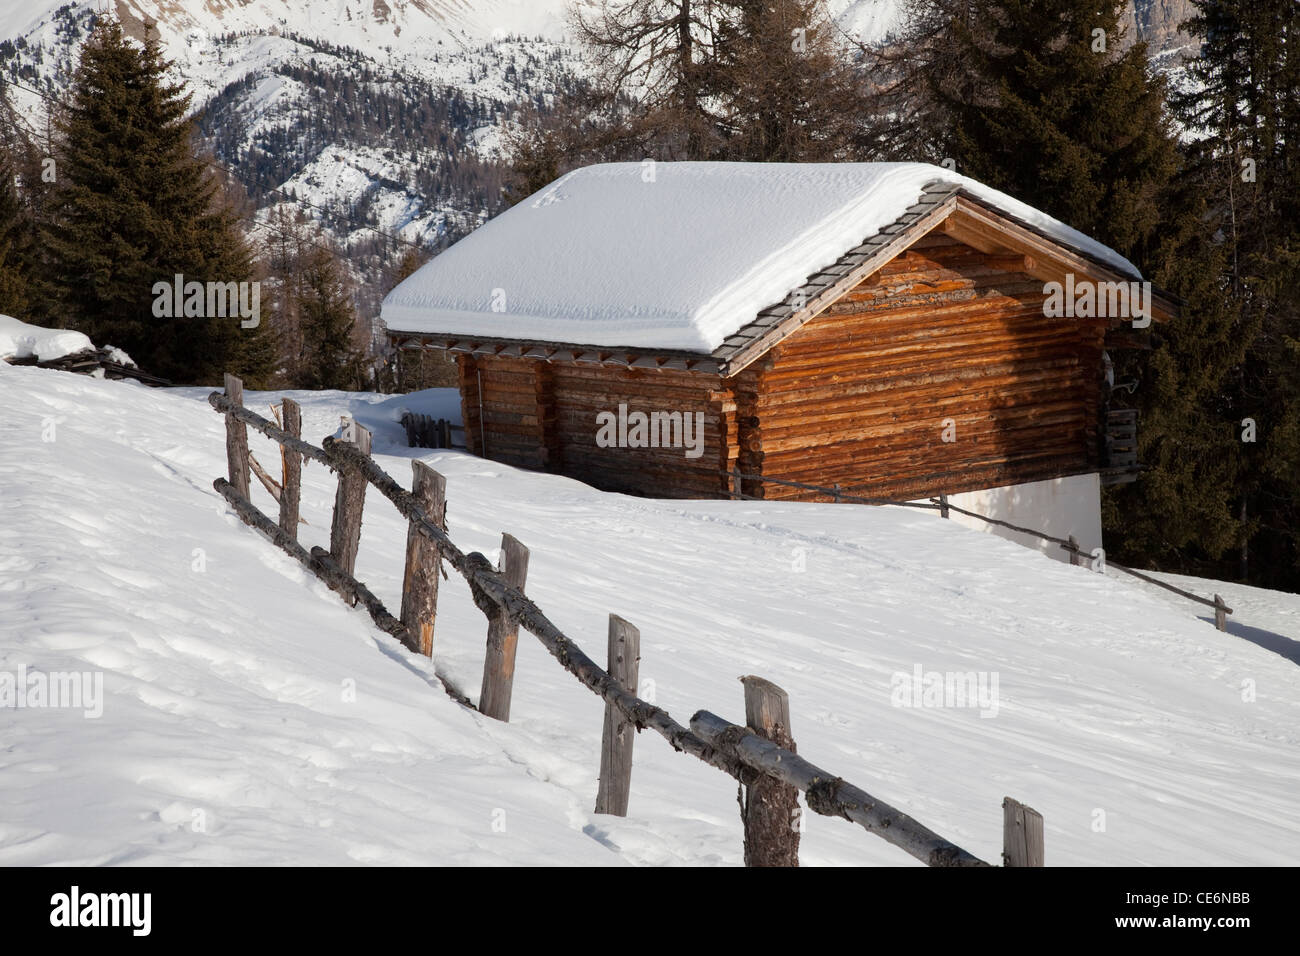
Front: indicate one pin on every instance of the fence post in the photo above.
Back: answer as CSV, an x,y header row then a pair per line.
x,y
236,438
943,505
1022,834
769,808
420,584
1220,613
735,482
837,494
618,736
1074,551
349,500
291,471
503,636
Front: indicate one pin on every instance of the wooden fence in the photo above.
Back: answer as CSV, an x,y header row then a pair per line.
x,y
945,507
425,431
761,755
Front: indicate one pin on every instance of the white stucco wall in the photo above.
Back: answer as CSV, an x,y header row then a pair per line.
x,y
1060,507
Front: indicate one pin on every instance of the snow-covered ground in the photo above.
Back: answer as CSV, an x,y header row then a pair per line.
x,y
249,716
19,340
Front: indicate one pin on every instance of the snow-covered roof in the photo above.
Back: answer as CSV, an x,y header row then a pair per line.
x,y
673,256
18,340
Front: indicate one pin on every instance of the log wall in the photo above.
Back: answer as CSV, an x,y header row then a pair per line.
x,y
858,396
544,416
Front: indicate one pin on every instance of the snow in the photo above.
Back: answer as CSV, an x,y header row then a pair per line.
x,y
20,340
227,737
669,255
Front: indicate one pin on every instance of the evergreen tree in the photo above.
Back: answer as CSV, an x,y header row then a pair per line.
x,y
329,325
1245,163
15,247
1039,98
135,206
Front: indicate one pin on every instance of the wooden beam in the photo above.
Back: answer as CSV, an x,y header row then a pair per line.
x,y
770,805
616,740
236,438
291,466
420,582
1022,834
503,636
990,233
349,501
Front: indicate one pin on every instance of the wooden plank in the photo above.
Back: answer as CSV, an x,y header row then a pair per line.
x,y
420,582
770,806
349,501
618,735
1022,834
503,637
236,439
291,466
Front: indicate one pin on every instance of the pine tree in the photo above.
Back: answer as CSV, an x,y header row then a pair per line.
x,y
15,247
332,358
1039,98
1245,162
135,206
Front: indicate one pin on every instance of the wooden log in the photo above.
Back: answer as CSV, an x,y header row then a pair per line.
x,y
828,794
269,483
222,404
618,735
503,636
236,438
1022,834
291,463
349,501
420,583
770,806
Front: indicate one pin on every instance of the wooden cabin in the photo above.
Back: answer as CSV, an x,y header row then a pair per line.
x,y
922,356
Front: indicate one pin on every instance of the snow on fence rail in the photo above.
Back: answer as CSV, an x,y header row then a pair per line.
x,y
760,755
943,506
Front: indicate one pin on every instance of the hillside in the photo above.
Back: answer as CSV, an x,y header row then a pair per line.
x,y
226,670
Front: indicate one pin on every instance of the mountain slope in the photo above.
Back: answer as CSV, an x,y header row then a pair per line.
x,y
224,668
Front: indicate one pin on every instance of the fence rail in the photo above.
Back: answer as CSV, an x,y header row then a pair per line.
x,y
760,755
944,506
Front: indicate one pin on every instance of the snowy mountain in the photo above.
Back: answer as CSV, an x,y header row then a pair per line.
x,y
246,715
382,119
